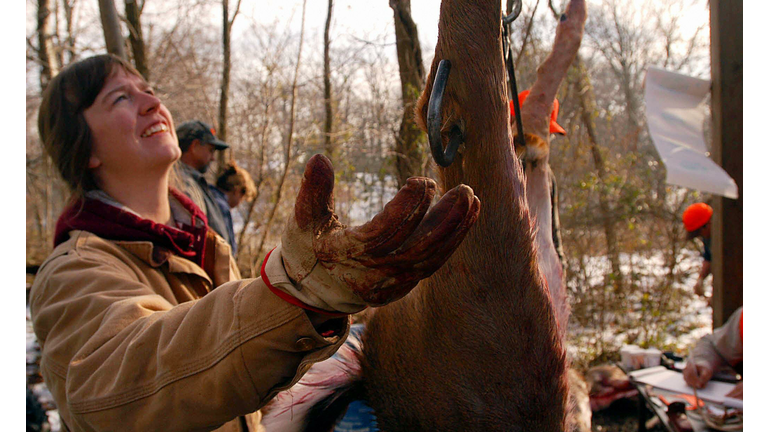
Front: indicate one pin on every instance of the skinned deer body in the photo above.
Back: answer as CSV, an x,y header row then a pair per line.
x,y
535,155
477,345
537,188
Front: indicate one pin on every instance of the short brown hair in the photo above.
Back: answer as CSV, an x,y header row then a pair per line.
x,y
235,177
64,133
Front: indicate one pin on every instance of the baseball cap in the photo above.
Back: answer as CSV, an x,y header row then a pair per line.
x,y
196,129
553,126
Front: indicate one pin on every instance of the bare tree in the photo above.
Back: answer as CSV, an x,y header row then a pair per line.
x,y
585,95
69,44
49,66
288,144
111,25
133,18
588,113
410,156
227,67
330,151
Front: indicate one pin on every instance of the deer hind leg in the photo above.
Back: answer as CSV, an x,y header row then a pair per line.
x,y
534,150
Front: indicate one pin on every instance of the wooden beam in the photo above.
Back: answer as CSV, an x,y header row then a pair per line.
x,y
727,150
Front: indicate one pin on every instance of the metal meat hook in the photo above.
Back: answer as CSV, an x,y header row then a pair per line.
x,y
506,20
517,6
435,120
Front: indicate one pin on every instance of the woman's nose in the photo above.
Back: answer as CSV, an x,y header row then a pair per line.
x,y
150,104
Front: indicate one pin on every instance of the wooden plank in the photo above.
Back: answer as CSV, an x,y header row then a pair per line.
x,y
727,150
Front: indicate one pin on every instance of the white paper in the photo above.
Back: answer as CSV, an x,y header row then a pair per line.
x,y
733,403
675,112
665,379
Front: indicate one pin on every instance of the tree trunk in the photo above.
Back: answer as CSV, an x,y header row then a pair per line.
x,y
588,112
227,67
111,24
410,155
69,6
48,63
330,149
633,109
259,181
133,15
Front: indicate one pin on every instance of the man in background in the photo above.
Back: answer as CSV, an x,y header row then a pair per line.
x,y
697,219
199,144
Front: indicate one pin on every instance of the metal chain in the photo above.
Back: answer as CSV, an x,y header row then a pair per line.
x,y
506,21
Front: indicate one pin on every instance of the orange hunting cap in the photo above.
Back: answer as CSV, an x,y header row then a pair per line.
x,y
553,126
696,216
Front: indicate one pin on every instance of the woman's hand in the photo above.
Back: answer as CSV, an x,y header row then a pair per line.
x,y
348,268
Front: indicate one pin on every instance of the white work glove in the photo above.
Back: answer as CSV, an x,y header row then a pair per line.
x,y
332,268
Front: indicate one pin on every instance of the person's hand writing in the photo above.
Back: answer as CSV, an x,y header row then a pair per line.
x,y
737,392
697,375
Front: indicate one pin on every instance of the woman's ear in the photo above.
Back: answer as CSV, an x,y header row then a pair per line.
x,y
94,162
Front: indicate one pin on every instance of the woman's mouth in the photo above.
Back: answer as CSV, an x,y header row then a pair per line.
x,y
155,129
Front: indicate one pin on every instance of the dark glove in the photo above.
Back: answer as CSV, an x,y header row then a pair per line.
x,y
333,268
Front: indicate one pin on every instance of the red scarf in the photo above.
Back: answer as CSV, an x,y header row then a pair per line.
x,y
113,223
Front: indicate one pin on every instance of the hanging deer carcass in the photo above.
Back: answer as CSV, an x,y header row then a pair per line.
x,y
478,346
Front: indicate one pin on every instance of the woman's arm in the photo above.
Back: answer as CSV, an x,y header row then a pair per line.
x,y
119,353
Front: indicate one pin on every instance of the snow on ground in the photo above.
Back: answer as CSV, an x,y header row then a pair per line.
x,y
686,324
39,389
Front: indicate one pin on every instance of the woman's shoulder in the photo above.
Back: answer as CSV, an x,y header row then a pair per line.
x,y
77,264
83,246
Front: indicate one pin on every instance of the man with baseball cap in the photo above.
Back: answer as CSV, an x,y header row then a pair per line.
x,y
697,219
199,144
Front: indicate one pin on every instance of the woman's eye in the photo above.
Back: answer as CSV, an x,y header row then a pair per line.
x,y
121,97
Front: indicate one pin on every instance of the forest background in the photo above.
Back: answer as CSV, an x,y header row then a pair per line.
x,y
281,81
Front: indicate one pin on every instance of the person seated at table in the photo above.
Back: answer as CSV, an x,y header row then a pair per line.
x,y
724,346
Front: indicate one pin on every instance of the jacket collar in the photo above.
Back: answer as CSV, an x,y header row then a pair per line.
x,y
99,214
195,174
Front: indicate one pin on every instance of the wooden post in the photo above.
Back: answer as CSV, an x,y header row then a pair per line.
x,y
727,150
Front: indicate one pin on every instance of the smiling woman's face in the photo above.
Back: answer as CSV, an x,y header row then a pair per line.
x,y
132,131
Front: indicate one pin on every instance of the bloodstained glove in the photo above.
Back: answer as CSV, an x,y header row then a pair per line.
x,y
324,266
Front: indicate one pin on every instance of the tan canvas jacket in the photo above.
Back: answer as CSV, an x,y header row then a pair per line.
x,y
135,339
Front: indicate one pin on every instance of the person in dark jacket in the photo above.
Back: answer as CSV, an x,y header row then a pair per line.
x,y
697,219
232,187
199,145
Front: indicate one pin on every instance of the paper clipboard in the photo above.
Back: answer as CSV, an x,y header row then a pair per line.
x,y
665,379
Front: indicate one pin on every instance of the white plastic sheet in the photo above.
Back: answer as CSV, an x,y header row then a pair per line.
x,y
675,113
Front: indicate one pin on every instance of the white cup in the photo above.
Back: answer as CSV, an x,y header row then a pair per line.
x,y
652,357
632,357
